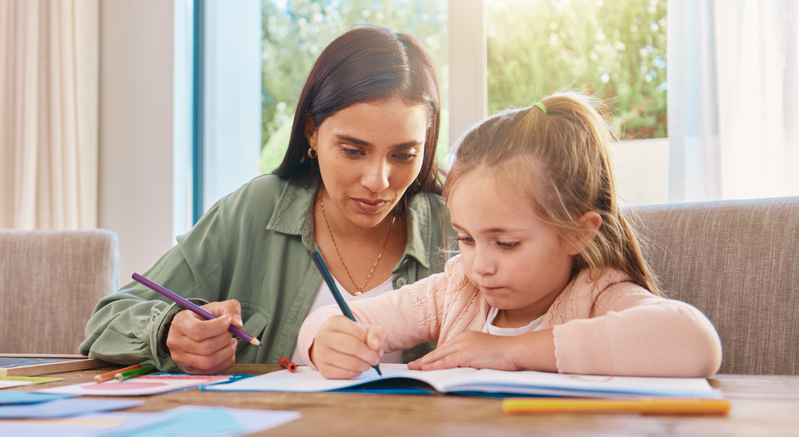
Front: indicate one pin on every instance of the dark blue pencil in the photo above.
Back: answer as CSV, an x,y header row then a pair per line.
x,y
331,284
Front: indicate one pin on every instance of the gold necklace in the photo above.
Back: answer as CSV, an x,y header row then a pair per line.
x,y
359,289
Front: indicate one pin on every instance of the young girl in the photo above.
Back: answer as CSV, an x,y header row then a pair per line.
x,y
550,275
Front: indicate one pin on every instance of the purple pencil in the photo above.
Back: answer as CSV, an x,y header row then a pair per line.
x,y
193,307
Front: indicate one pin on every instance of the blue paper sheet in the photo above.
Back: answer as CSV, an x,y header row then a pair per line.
x,y
211,422
44,430
21,397
90,425
179,422
201,422
63,408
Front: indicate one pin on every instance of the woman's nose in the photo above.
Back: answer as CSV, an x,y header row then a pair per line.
x,y
376,177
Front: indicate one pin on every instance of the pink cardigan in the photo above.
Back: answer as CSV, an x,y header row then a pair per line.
x,y
606,327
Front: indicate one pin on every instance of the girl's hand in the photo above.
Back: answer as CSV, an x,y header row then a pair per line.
x,y
469,349
531,351
205,346
344,349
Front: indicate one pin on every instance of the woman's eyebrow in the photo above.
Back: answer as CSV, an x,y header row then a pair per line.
x,y
353,140
407,145
358,142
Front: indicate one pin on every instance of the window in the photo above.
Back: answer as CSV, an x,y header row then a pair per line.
x,y
296,32
226,90
498,53
612,49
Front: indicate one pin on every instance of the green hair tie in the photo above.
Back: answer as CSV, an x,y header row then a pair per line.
x,y
541,106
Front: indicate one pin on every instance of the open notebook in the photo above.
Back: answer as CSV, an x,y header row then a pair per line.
x,y
398,379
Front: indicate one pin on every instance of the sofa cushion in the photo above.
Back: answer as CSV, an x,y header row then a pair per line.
x,y
738,262
50,281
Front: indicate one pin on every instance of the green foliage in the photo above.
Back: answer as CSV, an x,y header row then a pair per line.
x,y
296,31
613,49
273,151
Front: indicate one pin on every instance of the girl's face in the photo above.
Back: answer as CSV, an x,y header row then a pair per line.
x,y
369,153
519,263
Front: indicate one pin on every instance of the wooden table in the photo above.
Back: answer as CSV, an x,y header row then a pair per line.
x,y
761,406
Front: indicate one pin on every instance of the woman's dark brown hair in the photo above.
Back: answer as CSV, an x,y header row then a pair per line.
x,y
368,64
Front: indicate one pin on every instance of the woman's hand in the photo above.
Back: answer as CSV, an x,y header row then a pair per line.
x,y
344,349
531,351
205,346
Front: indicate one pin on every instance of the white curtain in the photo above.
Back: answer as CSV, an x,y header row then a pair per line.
x,y
48,113
733,78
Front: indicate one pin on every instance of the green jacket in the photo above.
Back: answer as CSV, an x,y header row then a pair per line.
x,y
254,246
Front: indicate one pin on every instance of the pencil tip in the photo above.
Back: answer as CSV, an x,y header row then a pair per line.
x,y
255,342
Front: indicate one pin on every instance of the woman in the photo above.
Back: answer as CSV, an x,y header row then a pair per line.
x,y
359,181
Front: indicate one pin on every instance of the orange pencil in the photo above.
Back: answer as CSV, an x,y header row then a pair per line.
x,y
110,375
644,405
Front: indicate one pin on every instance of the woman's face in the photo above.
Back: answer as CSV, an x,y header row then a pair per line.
x,y
369,153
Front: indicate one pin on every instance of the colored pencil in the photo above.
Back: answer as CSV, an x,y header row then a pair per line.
x,y
122,376
644,405
194,308
331,284
110,375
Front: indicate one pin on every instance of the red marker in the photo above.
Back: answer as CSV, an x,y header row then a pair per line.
x,y
287,363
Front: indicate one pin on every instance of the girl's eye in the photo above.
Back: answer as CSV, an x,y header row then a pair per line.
x,y
464,240
507,244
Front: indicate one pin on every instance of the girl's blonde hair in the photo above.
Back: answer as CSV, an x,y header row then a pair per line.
x,y
558,158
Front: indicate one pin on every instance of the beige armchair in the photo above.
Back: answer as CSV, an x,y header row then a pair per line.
x,y
50,282
738,262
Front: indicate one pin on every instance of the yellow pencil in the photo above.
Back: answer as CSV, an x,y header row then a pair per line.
x,y
644,405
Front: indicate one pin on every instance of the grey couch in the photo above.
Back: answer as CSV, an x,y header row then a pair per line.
x,y
50,282
738,262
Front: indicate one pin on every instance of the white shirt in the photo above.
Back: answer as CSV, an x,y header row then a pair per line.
x,y
325,297
489,327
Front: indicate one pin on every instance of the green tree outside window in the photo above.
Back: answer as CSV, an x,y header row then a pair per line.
x,y
612,49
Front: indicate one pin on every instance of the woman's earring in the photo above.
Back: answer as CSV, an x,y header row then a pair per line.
x,y
311,153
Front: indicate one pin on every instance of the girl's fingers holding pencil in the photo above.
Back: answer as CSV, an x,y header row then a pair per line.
x,y
372,336
340,348
333,371
337,364
375,336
